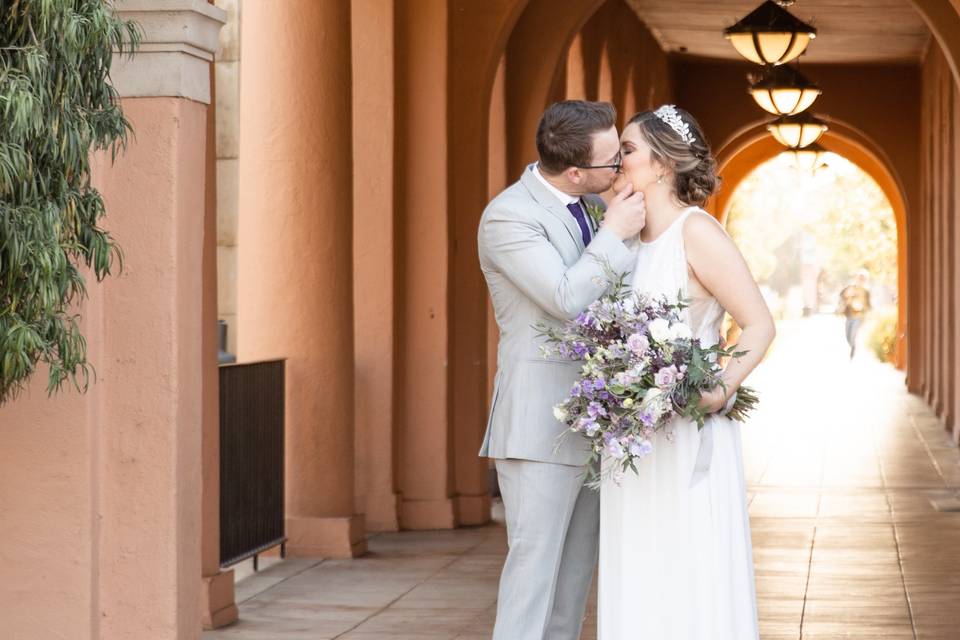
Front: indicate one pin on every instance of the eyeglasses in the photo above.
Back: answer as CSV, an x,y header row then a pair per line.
x,y
617,166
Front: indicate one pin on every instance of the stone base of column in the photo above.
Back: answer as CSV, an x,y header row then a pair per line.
x,y
219,603
383,512
326,537
428,514
473,510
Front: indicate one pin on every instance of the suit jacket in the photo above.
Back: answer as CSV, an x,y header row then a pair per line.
x,y
535,265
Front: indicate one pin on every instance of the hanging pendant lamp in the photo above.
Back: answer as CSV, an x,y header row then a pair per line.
x,y
783,91
797,131
770,35
809,158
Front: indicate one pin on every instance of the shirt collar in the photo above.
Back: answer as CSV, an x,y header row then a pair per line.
x,y
565,198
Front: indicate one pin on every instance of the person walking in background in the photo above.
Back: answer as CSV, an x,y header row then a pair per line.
x,y
854,305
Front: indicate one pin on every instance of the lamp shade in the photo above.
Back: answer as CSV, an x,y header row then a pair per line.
x,y
808,158
783,91
770,35
797,131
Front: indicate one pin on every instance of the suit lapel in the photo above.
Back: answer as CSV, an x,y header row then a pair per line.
x,y
549,202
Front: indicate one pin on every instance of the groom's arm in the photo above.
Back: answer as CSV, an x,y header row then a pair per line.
x,y
521,251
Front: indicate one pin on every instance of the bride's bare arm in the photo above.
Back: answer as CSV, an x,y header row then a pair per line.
x,y
717,264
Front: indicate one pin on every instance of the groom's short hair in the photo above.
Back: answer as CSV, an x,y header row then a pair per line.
x,y
565,133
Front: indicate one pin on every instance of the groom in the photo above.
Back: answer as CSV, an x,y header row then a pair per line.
x,y
542,255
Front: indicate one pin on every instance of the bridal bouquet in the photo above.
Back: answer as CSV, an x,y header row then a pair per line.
x,y
642,368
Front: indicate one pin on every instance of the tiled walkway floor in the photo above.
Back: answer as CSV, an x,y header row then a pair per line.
x,y
844,470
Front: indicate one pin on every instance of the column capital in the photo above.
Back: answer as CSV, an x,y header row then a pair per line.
x,y
179,40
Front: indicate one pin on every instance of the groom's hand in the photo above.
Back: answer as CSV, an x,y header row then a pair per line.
x,y
627,214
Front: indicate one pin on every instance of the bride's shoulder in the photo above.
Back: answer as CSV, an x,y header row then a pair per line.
x,y
700,225
705,240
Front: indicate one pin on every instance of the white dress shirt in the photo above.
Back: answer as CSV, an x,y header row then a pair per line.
x,y
565,198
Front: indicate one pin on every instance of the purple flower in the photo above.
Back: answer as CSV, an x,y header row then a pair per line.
x,y
577,390
589,427
580,349
638,343
666,376
595,410
646,418
640,449
614,449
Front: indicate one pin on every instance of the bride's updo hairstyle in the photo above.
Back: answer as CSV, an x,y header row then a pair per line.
x,y
678,143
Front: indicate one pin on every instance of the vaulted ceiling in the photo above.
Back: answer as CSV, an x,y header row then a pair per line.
x,y
848,31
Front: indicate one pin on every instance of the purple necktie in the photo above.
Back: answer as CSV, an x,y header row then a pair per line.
x,y
581,219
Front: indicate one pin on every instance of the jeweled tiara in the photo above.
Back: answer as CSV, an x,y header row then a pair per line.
x,y
669,114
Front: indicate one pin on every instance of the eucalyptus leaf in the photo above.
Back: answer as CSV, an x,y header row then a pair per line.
x,y
57,106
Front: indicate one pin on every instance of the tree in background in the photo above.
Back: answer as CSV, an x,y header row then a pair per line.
x,y
841,207
57,106
857,230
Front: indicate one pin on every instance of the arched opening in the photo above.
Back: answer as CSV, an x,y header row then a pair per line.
x,y
751,147
810,235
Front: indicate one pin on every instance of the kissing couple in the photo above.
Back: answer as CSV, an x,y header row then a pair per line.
x,y
672,541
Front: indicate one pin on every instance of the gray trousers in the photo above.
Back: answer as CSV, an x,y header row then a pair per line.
x,y
553,526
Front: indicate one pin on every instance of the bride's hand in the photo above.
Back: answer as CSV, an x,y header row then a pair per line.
x,y
714,400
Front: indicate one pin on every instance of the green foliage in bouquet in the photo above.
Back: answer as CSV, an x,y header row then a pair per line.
x,y
56,107
641,367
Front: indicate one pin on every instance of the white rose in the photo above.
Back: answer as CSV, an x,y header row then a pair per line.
x,y
560,413
659,330
680,331
651,395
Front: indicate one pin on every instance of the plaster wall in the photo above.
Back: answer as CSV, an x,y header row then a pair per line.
x,y
101,492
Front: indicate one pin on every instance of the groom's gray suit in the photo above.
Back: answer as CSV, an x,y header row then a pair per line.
x,y
538,270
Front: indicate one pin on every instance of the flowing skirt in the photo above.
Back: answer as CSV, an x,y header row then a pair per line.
x,y
675,554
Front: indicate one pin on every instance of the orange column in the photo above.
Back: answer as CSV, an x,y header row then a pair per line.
x,y
295,252
954,276
944,240
374,259
426,481
574,70
497,181
100,492
218,606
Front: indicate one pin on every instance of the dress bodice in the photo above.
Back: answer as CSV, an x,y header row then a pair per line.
x,y
662,269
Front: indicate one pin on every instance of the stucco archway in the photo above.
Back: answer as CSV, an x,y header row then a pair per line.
x,y
752,146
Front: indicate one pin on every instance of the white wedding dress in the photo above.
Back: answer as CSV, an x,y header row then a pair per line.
x,y
675,551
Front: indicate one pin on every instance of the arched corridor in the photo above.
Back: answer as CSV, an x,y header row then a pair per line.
x,y
314,179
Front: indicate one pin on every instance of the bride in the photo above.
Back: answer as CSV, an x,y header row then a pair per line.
x,y
675,551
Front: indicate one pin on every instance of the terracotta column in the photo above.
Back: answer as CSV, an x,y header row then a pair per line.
x,y
497,181
101,499
574,69
945,254
478,36
295,252
421,174
218,607
374,263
